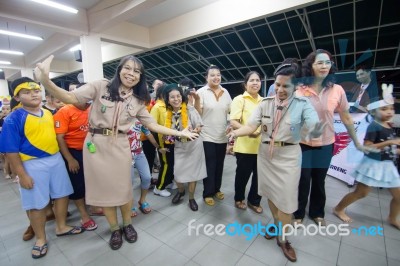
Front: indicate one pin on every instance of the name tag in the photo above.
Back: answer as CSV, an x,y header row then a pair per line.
x,y
266,116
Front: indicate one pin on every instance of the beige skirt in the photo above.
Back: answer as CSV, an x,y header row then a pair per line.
x,y
190,161
108,171
278,178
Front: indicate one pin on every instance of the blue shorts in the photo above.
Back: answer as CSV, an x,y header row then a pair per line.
x,y
50,179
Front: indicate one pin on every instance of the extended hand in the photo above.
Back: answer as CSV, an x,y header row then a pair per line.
x,y
42,69
367,149
190,135
194,94
163,150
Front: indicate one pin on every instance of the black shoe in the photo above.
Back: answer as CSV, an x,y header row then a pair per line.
x,y
116,239
193,205
178,197
130,233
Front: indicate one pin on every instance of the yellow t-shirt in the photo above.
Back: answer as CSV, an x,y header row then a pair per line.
x,y
241,108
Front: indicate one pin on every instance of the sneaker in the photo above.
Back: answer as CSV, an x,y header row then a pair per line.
x,y
162,193
172,186
89,225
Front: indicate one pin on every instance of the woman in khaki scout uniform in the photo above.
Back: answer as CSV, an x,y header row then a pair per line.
x,y
281,118
107,159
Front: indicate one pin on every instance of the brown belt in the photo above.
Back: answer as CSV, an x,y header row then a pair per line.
x,y
103,131
278,143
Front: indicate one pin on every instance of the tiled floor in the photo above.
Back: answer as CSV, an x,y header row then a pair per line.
x,y
164,238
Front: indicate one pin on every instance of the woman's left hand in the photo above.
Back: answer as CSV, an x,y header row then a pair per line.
x,y
190,135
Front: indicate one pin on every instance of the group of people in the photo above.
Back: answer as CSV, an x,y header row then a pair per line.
x,y
296,144
285,142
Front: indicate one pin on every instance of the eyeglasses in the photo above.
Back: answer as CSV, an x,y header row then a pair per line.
x,y
322,63
136,72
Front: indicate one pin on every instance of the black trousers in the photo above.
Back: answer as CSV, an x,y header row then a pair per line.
x,y
246,164
215,157
315,165
150,153
166,174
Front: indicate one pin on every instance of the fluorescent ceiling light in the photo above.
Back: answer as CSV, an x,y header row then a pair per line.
x,y
1,70
11,52
57,5
5,63
75,48
16,34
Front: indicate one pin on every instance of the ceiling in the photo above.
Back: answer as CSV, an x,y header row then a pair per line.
x,y
355,31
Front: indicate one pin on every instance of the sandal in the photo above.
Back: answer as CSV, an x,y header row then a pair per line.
x,y
256,209
134,212
219,195
240,205
319,221
42,251
209,201
90,225
144,207
76,230
297,222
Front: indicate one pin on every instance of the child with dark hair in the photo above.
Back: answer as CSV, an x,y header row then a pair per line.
x,y
29,141
377,169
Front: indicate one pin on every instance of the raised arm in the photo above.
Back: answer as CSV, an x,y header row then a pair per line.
x,y
42,74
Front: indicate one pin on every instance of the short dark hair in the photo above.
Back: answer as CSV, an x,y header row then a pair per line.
x,y
159,93
363,67
290,67
308,73
19,81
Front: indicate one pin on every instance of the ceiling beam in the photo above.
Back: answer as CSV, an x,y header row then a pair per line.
x,y
306,23
55,44
108,13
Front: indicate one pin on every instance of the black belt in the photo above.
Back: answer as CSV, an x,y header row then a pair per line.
x,y
103,131
278,143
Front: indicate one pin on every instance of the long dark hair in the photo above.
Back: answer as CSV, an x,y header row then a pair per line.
x,y
247,77
290,67
308,73
173,87
139,90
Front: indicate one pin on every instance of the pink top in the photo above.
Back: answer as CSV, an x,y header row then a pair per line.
x,y
329,101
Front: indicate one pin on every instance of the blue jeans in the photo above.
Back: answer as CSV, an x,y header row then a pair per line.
x,y
142,166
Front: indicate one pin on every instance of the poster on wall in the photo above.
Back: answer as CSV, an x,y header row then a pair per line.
x,y
345,155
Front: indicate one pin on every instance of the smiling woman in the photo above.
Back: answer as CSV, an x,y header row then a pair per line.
x,y
326,97
107,165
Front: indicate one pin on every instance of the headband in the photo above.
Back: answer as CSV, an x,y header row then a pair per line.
x,y
388,99
26,85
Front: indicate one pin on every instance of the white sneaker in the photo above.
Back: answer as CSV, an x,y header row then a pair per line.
x,y
172,186
162,193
